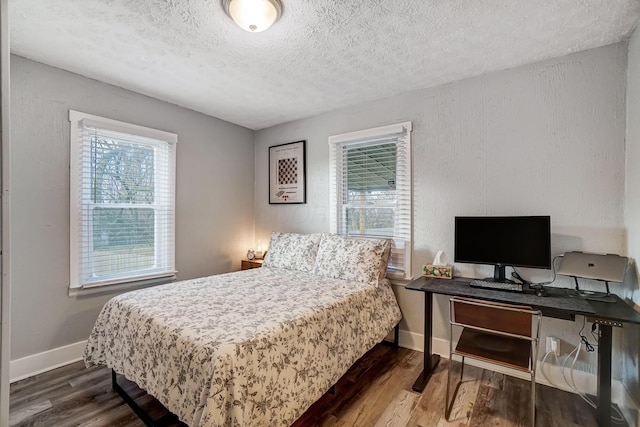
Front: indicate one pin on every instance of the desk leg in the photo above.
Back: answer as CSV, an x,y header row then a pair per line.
x,y
604,376
430,360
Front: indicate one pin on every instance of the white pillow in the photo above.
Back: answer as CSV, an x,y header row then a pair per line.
x,y
292,251
350,258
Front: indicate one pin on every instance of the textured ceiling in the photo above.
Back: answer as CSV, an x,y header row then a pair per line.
x,y
322,55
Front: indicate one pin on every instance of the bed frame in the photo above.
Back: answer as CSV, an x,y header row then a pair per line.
x,y
171,419
165,420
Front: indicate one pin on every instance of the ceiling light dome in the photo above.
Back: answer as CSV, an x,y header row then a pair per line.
x,y
253,15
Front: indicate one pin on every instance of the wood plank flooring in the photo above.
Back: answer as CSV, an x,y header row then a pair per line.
x,y
376,391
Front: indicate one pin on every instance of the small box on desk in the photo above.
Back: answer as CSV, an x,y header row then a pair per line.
x,y
439,271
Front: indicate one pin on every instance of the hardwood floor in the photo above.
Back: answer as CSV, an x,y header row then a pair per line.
x,y
376,391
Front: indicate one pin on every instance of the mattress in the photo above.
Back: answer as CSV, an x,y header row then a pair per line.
x,y
250,348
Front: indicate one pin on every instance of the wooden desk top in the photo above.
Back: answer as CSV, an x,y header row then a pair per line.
x,y
558,302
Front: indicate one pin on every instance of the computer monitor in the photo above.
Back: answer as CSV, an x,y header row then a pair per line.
x,y
517,241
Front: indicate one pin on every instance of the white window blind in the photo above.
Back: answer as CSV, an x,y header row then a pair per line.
x,y
371,189
122,202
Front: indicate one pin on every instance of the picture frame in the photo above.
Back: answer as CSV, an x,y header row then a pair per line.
x,y
288,173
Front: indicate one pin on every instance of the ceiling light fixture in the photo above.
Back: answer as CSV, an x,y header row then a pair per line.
x,y
253,15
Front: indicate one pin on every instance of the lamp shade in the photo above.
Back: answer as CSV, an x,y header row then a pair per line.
x,y
253,15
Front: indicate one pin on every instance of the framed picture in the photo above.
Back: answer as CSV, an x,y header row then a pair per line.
x,y
288,173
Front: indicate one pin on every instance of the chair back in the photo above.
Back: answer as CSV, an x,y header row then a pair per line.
x,y
493,316
496,333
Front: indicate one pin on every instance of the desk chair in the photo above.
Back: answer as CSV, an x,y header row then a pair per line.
x,y
497,333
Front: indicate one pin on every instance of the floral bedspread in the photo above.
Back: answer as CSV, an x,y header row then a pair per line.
x,y
250,348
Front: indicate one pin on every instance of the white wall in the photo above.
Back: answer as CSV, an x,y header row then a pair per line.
x,y
544,139
5,149
214,196
632,187
631,337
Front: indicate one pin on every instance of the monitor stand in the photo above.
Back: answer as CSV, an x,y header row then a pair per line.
x,y
498,275
591,295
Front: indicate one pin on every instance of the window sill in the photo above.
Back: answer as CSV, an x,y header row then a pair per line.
x,y
399,282
398,278
120,287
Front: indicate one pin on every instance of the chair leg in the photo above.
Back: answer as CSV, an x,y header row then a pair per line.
x,y
446,402
533,399
449,405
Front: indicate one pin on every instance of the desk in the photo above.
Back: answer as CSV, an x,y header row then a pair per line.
x,y
556,304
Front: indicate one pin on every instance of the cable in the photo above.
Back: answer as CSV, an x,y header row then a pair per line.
x,y
587,345
596,338
616,419
584,323
572,386
619,418
544,374
553,266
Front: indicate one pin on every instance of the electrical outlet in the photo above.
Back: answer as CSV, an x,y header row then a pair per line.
x,y
553,345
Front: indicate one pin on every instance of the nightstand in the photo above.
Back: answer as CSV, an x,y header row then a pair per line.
x,y
253,263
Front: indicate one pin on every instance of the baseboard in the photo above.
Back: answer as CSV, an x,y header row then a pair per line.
x,y
411,340
42,362
585,382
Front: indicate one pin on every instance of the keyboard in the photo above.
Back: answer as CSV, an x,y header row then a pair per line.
x,y
500,286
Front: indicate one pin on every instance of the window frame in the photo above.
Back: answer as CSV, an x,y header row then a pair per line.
x,y
78,169
368,137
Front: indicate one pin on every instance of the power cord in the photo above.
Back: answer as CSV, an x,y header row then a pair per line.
x,y
618,418
583,339
587,344
593,329
544,374
517,276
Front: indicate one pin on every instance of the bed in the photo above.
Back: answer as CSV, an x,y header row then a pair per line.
x,y
255,347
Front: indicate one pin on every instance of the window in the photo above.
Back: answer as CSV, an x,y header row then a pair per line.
x,y
122,202
371,189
